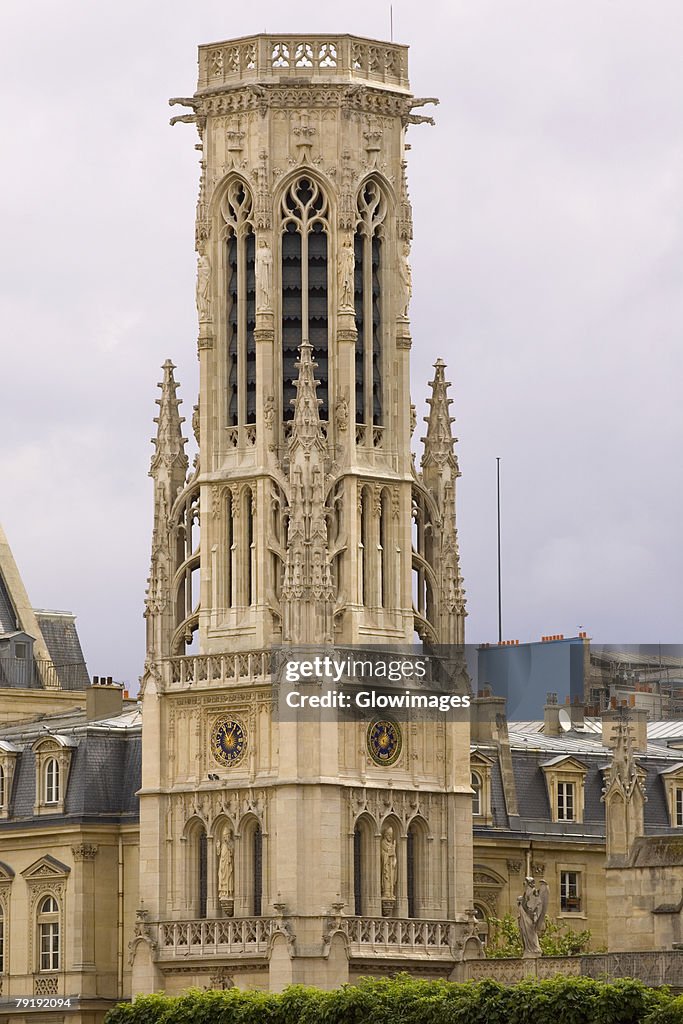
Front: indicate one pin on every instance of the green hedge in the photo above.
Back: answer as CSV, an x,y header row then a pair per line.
x,y
670,1012
403,1000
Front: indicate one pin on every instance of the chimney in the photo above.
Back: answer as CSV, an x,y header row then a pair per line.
x,y
637,721
486,712
104,699
551,716
578,713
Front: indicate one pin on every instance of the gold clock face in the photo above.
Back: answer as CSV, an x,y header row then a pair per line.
x,y
384,741
229,741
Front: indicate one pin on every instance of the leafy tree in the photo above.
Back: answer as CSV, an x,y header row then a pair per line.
x,y
558,939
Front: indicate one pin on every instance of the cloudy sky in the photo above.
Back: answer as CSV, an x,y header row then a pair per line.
x,y
548,263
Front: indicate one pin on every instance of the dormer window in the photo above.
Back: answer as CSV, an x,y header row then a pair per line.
x,y
565,777
52,781
673,784
480,780
476,793
566,801
53,760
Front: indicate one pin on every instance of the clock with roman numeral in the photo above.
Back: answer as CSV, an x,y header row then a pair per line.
x,y
229,741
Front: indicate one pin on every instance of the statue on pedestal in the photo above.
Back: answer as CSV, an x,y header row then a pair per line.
x,y
531,912
389,864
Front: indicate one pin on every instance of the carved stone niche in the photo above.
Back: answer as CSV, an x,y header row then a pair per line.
x,y
8,761
487,888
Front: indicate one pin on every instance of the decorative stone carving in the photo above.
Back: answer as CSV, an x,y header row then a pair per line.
x,y
406,279
86,851
389,864
345,275
269,412
341,410
142,932
225,846
532,907
203,288
264,276
221,979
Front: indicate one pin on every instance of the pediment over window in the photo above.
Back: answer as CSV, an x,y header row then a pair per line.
x,y
478,757
53,741
565,763
46,867
6,873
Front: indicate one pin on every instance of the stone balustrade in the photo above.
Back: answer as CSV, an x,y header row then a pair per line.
x,y
246,936
278,57
219,669
400,937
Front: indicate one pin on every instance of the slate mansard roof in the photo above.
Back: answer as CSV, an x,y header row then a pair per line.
x,y
530,751
104,775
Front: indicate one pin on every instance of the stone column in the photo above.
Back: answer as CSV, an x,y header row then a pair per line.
x,y
83,939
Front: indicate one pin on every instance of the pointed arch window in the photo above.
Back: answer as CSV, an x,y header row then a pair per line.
x,y
240,312
258,871
305,232
368,254
202,873
357,872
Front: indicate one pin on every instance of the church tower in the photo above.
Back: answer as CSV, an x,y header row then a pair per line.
x,y
273,851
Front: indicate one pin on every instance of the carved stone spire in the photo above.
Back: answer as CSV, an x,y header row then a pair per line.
x,y
440,472
438,444
168,469
169,443
307,591
623,794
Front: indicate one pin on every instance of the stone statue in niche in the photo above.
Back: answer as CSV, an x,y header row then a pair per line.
x,y
341,411
406,278
225,845
203,288
264,275
269,412
345,274
389,864
532,907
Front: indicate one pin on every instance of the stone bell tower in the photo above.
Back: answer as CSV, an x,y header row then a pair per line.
x,y
303,521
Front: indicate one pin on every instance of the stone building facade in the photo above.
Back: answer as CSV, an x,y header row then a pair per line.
x,y
276,851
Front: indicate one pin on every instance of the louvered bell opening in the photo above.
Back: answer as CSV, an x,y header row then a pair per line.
x,y
251,326
376,335
232,329
360,324
291,316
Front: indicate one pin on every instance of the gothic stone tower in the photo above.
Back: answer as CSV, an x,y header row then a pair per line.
x,y
302,521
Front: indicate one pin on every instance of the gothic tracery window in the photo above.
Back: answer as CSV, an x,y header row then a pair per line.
x,y
187,586
305,229
240,314
368,241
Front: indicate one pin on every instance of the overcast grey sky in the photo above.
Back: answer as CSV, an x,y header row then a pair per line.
x,y
547,272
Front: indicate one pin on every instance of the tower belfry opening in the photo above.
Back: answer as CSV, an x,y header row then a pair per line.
x,y
303,521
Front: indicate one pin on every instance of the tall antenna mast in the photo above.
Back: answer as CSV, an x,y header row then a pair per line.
x,y
500,592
